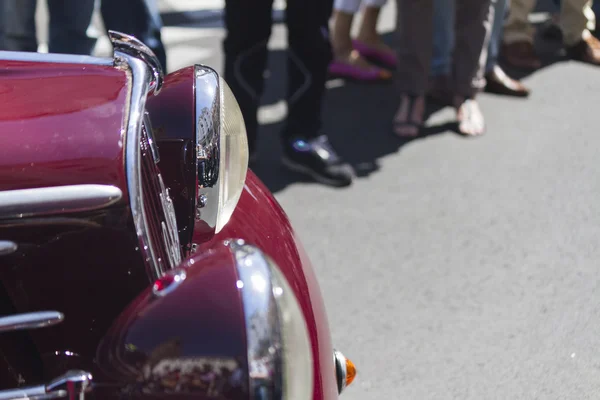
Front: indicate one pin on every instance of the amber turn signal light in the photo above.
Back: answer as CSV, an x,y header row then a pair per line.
x,y
345,371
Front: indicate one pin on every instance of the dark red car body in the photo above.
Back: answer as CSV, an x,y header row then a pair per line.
x,y
63,123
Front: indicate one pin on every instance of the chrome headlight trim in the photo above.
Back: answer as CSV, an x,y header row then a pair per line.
x,y
276,332
146,76
208,124
221,151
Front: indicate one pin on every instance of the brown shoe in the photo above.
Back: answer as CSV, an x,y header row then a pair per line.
x,y
498,82
521,55
587,50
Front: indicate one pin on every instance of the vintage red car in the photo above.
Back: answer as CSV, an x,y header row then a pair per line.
x,y
139,257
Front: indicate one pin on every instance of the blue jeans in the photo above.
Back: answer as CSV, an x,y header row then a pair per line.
x,y
69,20
443,36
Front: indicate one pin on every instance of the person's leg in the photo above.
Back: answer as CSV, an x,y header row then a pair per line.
x,y
347,60
496,80
443,37
18,25
308,56
473,26
500,12
343,16
69,21
577,21
415,34
306,149
248,25
517,27
518,36
369,42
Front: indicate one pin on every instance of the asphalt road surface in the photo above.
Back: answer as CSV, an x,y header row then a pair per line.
x,y
453,268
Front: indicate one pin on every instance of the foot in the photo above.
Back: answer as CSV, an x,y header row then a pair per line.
x,y
352,65
521,55
498,82
469,116
317,159
376,50
409,117
587,50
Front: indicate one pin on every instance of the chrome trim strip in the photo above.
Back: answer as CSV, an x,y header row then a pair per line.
x,y
54,58
264,342
22,203
339,361
127,44
143,81
207,92
73,384
34,320
7,247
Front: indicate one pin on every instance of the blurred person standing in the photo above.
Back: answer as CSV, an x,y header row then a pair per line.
x,y
415,30
69,21
577,19
306,149
139,18
496,80
351,57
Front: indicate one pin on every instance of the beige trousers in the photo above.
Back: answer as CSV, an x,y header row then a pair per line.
x,y
415,30
576,20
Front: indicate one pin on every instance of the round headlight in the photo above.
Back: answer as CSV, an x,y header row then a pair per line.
x,y
221,151
234,155
279,350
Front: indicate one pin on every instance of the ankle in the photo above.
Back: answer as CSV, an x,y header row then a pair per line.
x,y
369,37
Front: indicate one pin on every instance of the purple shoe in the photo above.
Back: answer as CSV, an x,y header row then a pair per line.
x,y
344,70
378,56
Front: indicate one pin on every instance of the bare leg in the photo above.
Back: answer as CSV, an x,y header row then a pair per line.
x,y
368,30
341,42
409,117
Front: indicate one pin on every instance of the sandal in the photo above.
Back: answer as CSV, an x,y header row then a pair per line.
x,y
358,69
341,69
376,55
410,125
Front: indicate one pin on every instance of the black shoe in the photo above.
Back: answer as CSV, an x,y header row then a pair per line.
x,y
317,159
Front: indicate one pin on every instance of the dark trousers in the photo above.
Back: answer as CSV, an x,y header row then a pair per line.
x,y
133,17
248,25
69,20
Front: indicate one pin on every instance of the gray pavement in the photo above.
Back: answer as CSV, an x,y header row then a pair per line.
x,y
453,268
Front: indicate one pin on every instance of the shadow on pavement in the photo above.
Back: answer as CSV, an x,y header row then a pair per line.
x,y
357,118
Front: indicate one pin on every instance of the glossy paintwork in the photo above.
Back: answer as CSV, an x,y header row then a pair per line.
x,y
172,113
85,266
61,124
260,220
199,324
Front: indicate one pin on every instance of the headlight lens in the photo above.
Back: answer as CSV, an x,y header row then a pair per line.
x,y
233,163
279,351
297,360
221,151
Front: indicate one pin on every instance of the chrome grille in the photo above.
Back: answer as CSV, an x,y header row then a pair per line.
x,y
158,207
